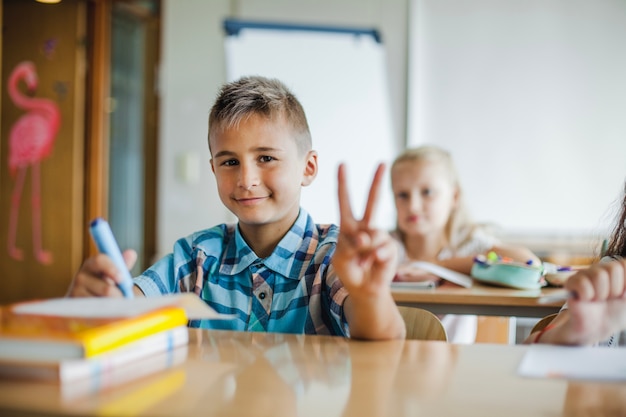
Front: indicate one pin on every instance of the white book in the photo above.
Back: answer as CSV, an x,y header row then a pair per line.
x,y
445,273
97,366
414,285
170,380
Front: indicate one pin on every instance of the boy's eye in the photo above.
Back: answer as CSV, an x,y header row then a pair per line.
x,y
266,158
402,196
230,162
427,192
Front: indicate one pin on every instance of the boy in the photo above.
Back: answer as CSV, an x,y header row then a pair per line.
x,y
275,269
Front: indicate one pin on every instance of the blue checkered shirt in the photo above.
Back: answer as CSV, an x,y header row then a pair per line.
x,y
294,290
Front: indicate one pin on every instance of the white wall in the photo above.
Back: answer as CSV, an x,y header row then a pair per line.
x,y
530,98
191,72
193,68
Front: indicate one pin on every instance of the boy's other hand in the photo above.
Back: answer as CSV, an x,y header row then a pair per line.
x,y
365,259
98,276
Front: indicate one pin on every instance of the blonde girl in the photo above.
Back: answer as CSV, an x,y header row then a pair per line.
x,y
433,225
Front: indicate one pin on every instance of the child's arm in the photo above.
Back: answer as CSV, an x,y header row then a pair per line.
x,y
597,310
365,261
98,277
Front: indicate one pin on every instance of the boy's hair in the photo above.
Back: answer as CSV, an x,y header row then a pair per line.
x,y
459,217
617,243
238,100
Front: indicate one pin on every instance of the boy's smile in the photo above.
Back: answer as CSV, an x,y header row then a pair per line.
x,y
260,172
251,201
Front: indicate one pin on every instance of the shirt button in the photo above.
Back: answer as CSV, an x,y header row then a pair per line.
x,y
262,296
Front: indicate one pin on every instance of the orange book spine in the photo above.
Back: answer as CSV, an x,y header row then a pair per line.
x,y
95,336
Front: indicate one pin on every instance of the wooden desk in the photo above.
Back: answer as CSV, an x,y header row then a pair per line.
x,y
481,300
261,374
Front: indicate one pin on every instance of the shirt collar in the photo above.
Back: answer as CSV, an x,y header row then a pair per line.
x,y
238,256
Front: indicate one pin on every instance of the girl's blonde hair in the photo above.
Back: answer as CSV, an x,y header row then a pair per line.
x,y
460,220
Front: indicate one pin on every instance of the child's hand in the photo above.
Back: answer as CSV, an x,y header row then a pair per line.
x,y
98,277
366,258
599,306
408,273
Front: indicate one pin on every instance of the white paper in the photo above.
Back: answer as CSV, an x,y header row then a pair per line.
x,y
445,273
96,307
590,363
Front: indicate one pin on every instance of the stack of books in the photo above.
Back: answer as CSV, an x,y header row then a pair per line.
x,y
68,340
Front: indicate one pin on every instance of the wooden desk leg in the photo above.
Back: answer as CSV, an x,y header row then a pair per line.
x,y
493,329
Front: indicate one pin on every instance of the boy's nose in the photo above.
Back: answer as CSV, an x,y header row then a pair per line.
x,y
248,177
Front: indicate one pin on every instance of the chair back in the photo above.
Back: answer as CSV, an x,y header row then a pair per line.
x,y
422,324
541,324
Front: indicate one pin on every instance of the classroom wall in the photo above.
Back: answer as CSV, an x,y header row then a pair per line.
x,y
193,68
529,97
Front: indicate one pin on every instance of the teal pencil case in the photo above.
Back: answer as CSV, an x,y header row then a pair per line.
x,y
506,273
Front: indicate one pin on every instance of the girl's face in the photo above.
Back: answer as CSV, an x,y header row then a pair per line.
x,y
424,195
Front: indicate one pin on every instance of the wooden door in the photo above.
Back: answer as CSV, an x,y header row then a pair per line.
x,y
42,147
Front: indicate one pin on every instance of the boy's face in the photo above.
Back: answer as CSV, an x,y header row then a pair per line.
x,y
424,197
260,172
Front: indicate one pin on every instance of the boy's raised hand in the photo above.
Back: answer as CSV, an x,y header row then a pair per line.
x,y
365,261
365,258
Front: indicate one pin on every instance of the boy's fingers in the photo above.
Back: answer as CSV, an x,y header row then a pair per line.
x,y
102,288
385,253
102,266
86,284
130,257
108,268
372,198
346,218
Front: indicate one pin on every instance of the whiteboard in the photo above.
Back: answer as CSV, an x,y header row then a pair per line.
x,y
341,81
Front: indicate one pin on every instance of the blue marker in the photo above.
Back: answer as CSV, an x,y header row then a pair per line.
x,y
104,240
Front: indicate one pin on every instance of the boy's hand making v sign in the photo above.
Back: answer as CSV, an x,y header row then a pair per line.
x,y
365,261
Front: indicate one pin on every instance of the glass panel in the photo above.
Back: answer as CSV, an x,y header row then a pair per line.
x,y
126,170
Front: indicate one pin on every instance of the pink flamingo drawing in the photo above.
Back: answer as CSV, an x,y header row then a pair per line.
x,y
31,139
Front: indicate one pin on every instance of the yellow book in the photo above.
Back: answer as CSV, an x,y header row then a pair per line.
x,y
52,334
101,368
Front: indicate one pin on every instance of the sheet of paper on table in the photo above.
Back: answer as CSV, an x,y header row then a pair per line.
x,y
584,363
445,273
194,307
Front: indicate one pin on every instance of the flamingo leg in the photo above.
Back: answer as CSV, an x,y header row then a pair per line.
x,y
41,255
15,252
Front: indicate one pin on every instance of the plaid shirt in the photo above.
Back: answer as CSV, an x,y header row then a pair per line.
x,y
294,290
